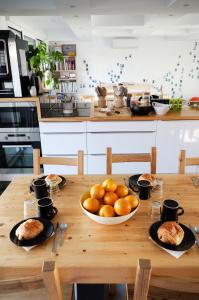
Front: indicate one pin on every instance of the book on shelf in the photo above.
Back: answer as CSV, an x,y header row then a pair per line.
x,y
66,65
67,87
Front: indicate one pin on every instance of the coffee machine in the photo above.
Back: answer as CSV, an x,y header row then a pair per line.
x,y
14,79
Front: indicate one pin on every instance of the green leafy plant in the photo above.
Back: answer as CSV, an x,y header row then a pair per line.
x,y
43,63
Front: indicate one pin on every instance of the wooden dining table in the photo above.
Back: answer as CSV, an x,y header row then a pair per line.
x,y
96,253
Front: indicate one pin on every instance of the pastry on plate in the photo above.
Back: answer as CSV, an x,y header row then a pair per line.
x,y
53,178
149,178
29,229
170,233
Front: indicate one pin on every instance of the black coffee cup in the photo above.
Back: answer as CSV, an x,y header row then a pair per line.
x,y
171,210
46,209
144,189
40,188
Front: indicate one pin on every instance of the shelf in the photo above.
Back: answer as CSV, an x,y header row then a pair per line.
x,y
65,79
65,70
66,92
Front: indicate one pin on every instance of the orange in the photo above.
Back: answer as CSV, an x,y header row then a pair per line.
x,y
122,207
91,204
107,211
122,190
109,185
133,200
97,191
110,198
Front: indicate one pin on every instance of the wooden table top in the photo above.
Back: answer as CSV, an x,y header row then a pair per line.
x,y
98,253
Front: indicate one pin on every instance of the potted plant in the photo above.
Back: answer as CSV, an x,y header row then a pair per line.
x,y
42,64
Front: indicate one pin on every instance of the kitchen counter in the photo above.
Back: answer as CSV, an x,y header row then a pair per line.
x,y
124,115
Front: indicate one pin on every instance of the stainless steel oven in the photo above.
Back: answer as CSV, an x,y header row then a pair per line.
x,y
19,135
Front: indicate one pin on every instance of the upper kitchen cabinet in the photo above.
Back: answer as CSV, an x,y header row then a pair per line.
x,y
172,136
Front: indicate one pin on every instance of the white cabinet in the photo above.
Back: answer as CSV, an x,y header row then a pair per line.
x,y
62,143
122,137
63,139
172,136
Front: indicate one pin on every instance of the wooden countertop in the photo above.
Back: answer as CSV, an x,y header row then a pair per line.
x,y
184,114
95,253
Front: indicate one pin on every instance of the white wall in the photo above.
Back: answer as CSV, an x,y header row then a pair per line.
x,y
151,60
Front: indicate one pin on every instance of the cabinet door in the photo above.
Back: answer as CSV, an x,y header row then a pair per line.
x,y
122,126
121,142
97,165
62,143
59,169
173,136
61,127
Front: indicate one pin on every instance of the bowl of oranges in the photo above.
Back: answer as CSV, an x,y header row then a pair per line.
x,y
109,203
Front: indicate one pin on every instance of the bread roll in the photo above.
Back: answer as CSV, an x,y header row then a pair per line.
x,y
171,233
29,229
53,178
149,178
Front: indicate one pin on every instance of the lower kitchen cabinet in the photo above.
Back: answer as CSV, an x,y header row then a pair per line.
x,y
173,136
97,165
56,169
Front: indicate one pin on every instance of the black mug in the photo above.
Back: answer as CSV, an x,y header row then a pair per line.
x,y
144,189
46,209
171,210
40,188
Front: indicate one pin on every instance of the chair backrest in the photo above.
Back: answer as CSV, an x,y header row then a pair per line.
x,y
142,279
135,157
49,279
186,161
68,161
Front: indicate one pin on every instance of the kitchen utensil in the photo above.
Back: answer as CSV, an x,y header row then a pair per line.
x,y
140,110
54,246
195,235
160,108
63,226
196,228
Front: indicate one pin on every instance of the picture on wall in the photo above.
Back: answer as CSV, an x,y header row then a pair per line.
x,y
69,50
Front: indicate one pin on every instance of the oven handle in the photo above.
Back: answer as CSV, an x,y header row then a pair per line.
x,y
14,146
16,135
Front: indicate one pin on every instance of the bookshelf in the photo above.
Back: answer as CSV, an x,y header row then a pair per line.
x,y
66,70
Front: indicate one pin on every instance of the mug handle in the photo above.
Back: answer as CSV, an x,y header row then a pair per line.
x,y
134,188
181,212
53,212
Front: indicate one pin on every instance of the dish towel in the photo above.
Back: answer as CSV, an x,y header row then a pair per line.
x,y
176,254
28,248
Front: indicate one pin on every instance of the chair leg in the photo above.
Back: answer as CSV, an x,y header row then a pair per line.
x,y
182,162
153,160
36,161
52,280
142,279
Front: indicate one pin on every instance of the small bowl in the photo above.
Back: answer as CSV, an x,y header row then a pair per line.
x,y
140,110
107,220
160,108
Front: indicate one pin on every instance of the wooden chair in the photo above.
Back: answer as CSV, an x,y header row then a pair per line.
x,y
135,157
142,279
186,161
49,279
38,160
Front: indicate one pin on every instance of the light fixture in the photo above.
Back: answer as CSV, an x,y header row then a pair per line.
x,y
72,6
186,5
75,16
170,15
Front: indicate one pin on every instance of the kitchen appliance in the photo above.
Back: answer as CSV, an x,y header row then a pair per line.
x,y
14,80
19,135
140,109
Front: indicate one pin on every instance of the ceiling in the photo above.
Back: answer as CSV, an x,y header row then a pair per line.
x,y
113,19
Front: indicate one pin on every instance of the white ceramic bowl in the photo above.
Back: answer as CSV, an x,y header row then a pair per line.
x,y
107,220
160,108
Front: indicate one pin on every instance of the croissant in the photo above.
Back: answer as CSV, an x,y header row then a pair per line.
x,y
29,229
170,233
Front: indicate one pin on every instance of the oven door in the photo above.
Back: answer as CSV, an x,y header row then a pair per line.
x,y
18,115
16,158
